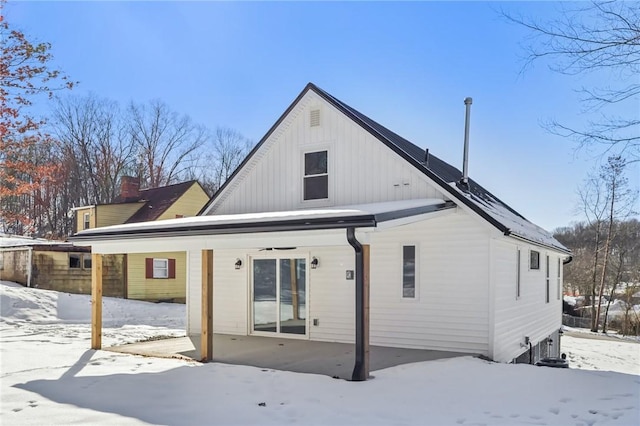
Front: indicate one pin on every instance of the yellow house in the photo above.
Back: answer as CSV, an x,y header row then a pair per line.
x,y
149,276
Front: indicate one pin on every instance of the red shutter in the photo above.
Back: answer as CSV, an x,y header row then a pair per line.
x,y
172,268
148,267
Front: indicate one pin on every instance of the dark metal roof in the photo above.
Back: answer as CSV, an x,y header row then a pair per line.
x,y
446,176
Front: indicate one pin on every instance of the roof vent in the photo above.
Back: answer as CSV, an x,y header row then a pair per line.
x,y
314,117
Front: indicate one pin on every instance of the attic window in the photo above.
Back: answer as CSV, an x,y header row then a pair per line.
x,y
314,117
316,176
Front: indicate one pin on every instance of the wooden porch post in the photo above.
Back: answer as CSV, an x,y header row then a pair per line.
x,y
96,301
206,342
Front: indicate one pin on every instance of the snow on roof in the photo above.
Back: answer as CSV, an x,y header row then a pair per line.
x,y
20,241
337,212
516,224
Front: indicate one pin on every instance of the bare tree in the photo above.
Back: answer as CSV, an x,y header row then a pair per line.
x,y
620,206
593,203
166,143
96,146
224,153
601,36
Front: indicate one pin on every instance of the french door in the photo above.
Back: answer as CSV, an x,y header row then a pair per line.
x,y
279,296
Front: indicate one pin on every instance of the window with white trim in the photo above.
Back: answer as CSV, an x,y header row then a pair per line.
x,y
547,279
86,223
316,176
518,273
534,259
408,272
559,279
160,268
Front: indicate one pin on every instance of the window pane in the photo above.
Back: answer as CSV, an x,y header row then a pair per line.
x,y
87,261
315,163
265,308
316,188
408,271
74,260
535,260
160,268
292,296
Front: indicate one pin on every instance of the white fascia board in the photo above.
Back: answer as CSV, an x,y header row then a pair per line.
x,y
316,238
73,209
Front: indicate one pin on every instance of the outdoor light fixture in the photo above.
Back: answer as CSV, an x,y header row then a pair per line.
x,y
238,264
314,263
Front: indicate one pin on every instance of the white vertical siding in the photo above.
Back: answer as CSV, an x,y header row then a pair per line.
x,y
332,296
230,292
529,315
451,310
361,168
194,292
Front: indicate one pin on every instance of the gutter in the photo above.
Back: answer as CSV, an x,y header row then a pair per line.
x,y
360,369
226,229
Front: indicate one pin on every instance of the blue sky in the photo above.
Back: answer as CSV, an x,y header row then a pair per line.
x,y
406,65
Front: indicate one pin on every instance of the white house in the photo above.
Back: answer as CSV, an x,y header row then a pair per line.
x,y
336,229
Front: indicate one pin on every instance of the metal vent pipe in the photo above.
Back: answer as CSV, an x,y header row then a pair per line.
x,y
465,158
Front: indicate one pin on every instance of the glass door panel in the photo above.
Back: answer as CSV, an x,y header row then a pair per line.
x,y
279,302
293,296
265,297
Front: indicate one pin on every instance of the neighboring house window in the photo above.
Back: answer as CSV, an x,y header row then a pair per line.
x,y
559,279
75,261
534,259
409,272
86,223
160,268
547,278
316,176
79,260
518,273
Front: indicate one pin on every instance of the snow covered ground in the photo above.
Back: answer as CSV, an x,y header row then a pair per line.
x,y
49,376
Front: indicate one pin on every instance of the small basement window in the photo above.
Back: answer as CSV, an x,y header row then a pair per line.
x,y
409,272
534,259
160,268
316,176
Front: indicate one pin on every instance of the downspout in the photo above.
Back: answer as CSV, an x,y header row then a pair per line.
x,y
30,268
359,368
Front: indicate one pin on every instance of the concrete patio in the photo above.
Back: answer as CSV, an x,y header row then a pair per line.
x,y
301,356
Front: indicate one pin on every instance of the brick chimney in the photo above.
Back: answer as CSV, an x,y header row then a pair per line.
x,y
129,187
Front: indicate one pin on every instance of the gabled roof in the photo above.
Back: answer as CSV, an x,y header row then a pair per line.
x,y
157,200
446,176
